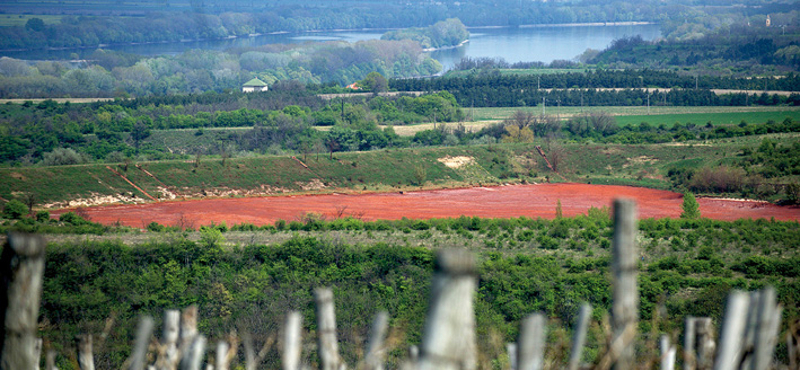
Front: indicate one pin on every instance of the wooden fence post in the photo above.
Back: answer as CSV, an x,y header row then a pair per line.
x,y
733,330
579,337
85,356
689,337
705,344
22,270
50,360
626,295
193,353
413,355
292,341
328,347
376,348
253,359
531,343
769,321
37,352
221,356
169,356
751,326
511,349
448,340
143,334
668,353
188,326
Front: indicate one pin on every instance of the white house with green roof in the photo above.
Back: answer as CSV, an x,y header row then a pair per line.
x,y
254,85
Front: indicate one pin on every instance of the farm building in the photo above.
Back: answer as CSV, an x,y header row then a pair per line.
x,y
254,85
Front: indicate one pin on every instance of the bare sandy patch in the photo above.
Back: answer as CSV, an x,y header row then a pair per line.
x,y
456,162
639,161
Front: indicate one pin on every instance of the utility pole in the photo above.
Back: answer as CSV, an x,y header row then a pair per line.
x,y
543,105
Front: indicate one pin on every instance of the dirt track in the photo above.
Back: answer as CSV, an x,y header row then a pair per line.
x,y
504,201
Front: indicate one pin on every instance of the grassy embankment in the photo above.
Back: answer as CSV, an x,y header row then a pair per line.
x,y
641,165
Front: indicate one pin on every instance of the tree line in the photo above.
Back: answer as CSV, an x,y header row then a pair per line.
x,y
443,34
164,24
737,47
52,133
115,74
487,76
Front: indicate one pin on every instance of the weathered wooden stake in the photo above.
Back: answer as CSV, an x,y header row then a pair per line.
x,y
733,330
579,336
668,353
376,349
37,351
85,356
21,271
143,334
413,355
706,346
50,360
769,320
252,358
751,326
326,325
626,296
531,342
193,354
689,337
448,340
511,349
292,341
221,357
169,359
188,326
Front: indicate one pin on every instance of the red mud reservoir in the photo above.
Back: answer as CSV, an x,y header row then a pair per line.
x,y
490,202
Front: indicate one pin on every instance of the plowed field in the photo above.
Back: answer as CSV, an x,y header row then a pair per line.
x,y
496,202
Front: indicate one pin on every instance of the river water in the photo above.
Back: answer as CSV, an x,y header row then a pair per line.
x,y
524,44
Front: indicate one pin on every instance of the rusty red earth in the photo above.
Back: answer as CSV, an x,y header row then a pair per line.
x,y
492,202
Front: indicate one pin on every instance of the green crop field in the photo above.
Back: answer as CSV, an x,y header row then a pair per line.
x,y
670,114
7,20
714,118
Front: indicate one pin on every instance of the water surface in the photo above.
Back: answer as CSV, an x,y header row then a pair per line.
x,y
525,44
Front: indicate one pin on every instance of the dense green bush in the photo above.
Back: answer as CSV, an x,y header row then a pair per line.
x,y
522,270
14,209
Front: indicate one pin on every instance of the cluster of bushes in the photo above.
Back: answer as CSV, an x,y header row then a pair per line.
x,y
58,134
749,173
15,213
251,287
646,133
197,71
731,46
443,34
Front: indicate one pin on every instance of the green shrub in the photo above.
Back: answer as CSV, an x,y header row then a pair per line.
x,y
42,216
691,209
155,227
14,209
72,218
